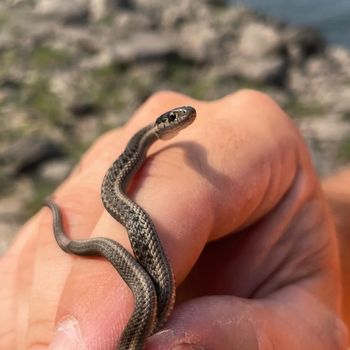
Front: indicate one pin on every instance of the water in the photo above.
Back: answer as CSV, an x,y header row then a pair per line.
x,y
331,17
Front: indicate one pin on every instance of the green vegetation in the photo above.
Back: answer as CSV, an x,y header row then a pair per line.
x,y
43,189
344,150
102,87
248,84
4,18
298,109
8,59
346,116
6,182
45,57
41,101
187,77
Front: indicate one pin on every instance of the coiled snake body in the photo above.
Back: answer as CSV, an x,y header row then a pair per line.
x,y
150,276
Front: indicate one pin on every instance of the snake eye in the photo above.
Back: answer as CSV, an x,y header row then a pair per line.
x,y
171,116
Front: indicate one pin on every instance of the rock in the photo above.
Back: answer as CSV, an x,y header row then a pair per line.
x,y
259,40
26,153
87,130
6,41
13,211
64,85
341,99
319,82
126,22
234,17
100,9
72,11
302,43
145,47
72,39
7,234
341,57
258,56
199,42
280,96
185,12
55,170
140,47
263,70
9,87
323,137
83,109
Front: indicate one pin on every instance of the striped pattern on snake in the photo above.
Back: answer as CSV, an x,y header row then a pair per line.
x,y
149,275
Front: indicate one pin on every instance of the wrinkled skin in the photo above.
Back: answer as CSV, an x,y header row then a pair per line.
x,y
241,215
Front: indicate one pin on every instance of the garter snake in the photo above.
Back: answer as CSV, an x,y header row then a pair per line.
x,y
149,275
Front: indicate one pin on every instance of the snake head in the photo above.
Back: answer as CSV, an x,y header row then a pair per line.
x,y
171,122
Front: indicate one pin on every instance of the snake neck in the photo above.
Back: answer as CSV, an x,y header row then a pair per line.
x,y
128,163
131,160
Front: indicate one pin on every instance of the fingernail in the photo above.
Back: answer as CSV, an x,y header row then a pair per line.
x,y
67,336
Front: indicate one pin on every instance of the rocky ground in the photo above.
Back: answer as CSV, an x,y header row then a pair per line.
x,y
72,69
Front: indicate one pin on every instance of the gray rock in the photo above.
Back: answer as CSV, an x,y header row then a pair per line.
x,y
280,96
64,10
64,85
320,82
324,136
6,41
185,12
100,9
13,211
302,43
26,153
126,22
258,56
10,86
265,70
259,40
55,170
199,42
81,109
140,47
341,99
8,232
234,17
341,57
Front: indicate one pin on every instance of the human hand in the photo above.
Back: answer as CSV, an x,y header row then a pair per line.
x,y
240,213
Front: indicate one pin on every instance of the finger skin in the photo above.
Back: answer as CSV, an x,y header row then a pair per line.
x,y
228,173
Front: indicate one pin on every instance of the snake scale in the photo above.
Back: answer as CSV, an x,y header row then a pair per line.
x,y
149,274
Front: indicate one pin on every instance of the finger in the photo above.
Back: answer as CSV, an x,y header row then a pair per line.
x,y
293,320
111,293
80,197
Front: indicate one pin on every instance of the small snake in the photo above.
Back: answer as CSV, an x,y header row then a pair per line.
x,y
148,275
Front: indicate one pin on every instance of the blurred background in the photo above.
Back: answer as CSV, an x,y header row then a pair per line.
x,y
72,69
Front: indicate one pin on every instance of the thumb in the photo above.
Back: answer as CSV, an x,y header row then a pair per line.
x,y
284,321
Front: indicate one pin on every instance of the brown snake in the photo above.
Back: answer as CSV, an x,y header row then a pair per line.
x,y
149,275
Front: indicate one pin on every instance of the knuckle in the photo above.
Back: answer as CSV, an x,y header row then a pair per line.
x,y
265,106
249,97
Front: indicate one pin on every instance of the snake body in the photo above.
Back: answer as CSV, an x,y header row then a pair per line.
x,y
149,275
